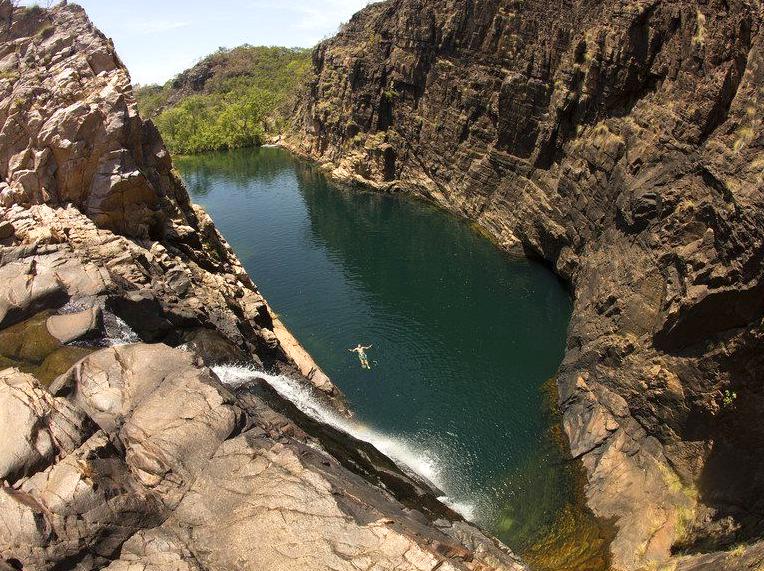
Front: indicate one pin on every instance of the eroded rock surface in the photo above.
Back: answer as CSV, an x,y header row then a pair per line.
x,y
622,143
36,426
167,468
93,206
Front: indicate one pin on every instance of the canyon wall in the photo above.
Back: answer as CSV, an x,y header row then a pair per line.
x,y
119,446
621,142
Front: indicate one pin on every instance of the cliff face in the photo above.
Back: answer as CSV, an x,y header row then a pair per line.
x,y
622,143
133,454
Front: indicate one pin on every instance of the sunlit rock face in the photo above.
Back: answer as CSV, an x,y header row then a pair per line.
x,y
622,142
70,128
119,447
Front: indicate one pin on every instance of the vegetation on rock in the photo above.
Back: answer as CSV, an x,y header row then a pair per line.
x,y
230,99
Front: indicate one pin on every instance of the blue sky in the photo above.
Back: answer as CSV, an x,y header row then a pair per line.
x,y
159,38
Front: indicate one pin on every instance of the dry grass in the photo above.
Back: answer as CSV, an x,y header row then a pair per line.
x,y
699,38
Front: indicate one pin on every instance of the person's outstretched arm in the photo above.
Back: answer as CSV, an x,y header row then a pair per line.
x,y
369,347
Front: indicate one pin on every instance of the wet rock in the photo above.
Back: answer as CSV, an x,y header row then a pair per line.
x,y
30,347
28,342
213,348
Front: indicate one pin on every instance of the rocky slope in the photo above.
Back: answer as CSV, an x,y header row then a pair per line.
x,y
622,143
119,446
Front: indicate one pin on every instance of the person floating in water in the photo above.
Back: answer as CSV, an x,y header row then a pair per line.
x,y
361,350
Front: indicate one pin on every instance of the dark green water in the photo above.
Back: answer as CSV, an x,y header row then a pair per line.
x,y
463,336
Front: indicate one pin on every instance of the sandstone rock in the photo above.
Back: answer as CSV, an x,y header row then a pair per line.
x,y
161,419
83,507
292,512
306,512
171,435
302,359
24,291
36,427
6,229
166,482
155,550
72,326
740,557
81,114
213,348
615,140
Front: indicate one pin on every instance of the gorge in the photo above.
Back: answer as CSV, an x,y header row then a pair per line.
x,y
618,143
463,337
137,456
622,143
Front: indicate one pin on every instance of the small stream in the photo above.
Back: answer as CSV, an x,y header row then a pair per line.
x,y
465,338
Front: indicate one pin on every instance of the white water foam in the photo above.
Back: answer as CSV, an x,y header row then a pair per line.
x,y
421,461
118,332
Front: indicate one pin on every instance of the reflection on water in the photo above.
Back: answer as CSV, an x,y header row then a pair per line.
x,y
463,336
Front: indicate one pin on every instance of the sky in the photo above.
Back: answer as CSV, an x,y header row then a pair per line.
x,y
157,39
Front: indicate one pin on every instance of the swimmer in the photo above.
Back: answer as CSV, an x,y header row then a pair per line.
x,y
361,350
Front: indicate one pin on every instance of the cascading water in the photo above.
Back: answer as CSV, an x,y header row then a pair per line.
x,y
118,332
464,337
432,465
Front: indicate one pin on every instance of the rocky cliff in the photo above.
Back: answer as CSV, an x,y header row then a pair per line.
x,y
119,445
621,142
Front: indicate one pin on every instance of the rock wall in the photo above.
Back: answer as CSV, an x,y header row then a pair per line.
x,y
119,446
72,140
622,143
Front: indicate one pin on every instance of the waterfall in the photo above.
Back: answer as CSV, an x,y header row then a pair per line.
x,y
403,451
117,331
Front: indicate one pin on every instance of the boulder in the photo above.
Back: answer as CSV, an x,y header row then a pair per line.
x,y
83,507
155,550
35,427
160,418
24,291
213,348
69,327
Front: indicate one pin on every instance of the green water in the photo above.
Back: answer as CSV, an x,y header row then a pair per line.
x,y
464,337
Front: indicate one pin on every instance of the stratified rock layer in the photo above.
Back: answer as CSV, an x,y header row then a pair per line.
x,y
622,143
73,145
136,456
